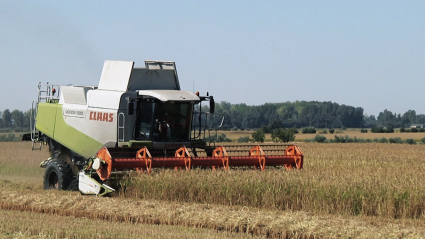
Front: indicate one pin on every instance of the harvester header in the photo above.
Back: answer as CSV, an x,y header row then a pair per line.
x,y
136,118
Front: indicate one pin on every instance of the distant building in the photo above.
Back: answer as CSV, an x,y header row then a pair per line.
x,y
417,126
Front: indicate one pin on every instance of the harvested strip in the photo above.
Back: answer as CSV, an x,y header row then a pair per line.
x,y
270,223
15,224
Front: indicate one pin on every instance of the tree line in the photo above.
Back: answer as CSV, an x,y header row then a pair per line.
x,y
16,120
392,120
298,114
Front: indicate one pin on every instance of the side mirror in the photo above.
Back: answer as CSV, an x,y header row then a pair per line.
x,y
130,107
212,105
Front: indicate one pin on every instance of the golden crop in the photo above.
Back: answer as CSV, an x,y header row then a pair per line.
x,y
340,187
383,180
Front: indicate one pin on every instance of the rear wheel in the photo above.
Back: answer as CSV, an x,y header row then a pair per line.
x,y
58,175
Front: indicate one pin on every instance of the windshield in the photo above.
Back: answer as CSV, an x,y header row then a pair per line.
x,y
172,121
144,120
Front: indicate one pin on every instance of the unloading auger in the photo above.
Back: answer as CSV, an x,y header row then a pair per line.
x,y
136,118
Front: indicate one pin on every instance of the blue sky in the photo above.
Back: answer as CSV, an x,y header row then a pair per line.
x,y
368,54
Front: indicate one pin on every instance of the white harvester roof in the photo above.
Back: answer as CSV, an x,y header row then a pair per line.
x,y
169,95
122,76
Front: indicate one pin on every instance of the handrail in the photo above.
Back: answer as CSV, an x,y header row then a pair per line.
x,y
48,92
121,127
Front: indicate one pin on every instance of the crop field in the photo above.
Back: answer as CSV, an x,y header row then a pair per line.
x,y
235,135
362,190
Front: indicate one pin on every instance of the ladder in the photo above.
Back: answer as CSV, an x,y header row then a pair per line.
x,y
47,93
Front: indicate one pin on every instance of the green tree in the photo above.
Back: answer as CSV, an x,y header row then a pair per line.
x,y
284,135
369,121
27,118
7,118
408,118
387,119
17,118
258,135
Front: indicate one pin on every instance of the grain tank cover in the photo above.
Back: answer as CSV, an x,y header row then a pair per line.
x,y
115,75
158,75
74,94
122,76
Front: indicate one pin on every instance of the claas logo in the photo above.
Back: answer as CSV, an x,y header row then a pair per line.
x,y
101,116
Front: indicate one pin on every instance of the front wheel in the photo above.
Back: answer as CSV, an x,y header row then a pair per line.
x,y
58,175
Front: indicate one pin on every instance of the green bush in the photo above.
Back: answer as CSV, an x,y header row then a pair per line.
x,y
346,139
389,130
17,129
363,131
219,138
331,131
414,130
338,139
402,130
8,138
423,140
410,141
396,140
383,140
319,138
309,130
243,139
377,129
5,130
342,139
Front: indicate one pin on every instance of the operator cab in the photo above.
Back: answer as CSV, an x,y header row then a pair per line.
x,y
159,121
165,115
157,109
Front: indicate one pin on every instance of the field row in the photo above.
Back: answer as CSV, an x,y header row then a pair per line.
x,y
22,224
122,216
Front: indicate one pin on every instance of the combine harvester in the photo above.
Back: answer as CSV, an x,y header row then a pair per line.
x,y
135,119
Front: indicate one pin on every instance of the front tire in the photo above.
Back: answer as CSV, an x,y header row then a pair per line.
x,y
58,175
